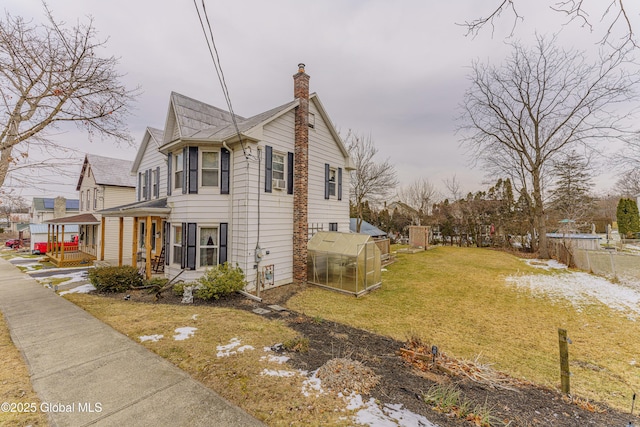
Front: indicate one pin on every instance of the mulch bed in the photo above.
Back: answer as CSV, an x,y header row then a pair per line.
x,y
401,381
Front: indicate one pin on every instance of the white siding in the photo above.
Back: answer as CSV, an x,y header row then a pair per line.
x,y
151,159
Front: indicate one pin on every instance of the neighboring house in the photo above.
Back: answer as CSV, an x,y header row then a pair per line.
x,y
104,182
44,209
40,232
249,191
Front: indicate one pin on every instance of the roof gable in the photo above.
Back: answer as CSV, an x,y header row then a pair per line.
x,y
151,135
107,171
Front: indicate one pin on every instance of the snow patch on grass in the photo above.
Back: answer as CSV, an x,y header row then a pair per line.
x,y
152,338
82,289
184,333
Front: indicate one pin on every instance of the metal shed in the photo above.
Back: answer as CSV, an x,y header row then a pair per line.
x,y
346,262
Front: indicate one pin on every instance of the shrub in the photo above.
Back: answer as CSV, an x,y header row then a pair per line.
x,y
115,279
220,281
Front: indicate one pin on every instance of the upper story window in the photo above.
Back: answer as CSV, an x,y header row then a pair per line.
x,y
95,198
154,182
177,167
278,166
332,181
210,168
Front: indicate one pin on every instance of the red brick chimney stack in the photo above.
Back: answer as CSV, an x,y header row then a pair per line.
x,y
300,176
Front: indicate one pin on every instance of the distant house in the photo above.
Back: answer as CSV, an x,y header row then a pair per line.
x,y
214,187
104,182
43,209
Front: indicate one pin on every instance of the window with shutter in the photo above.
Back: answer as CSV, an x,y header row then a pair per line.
x,y
169,168
289,173
224,230
268,171
225,166
193,170
192,244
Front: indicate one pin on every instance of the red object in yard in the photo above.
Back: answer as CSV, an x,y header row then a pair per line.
x,y
41,247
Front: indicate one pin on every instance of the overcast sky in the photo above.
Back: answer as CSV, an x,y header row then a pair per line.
x,y
392,70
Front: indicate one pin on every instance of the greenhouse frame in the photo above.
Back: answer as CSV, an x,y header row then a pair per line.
x,y
346,262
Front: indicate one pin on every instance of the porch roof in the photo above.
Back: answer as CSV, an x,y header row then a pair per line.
x,y
82,219
157,207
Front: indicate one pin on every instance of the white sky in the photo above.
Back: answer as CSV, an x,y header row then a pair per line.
x,y
394,70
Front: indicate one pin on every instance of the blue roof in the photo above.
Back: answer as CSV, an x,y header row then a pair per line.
x,y
365,228
72,204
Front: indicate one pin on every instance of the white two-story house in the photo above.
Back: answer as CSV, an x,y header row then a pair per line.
x,y
215,188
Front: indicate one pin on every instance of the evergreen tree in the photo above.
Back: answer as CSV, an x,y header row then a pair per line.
x,y
628,218
571,196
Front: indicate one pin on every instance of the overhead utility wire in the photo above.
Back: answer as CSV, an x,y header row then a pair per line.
x,y
216,62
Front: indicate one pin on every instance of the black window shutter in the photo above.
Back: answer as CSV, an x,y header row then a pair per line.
x,y
339,183
289,173
225,163
148,180
191,245
268,168
193,170
167,242
326,180
169,172
157,192
185,169
222,252
139,186
183,244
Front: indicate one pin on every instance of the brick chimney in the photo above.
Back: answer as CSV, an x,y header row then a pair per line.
x,y
300,176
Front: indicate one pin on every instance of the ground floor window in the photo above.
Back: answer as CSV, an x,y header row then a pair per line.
x,y
208,246
177,244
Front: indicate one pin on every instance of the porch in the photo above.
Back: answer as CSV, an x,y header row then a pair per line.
x,y
65,249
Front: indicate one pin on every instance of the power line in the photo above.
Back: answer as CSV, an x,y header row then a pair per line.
x,y
213,53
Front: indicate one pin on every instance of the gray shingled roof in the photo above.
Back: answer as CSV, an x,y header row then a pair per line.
x,y
110,171
194,115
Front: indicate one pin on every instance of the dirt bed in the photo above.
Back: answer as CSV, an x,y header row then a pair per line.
x,y
401,382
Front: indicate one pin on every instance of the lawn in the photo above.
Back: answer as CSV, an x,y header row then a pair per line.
x,y
458,299
227,353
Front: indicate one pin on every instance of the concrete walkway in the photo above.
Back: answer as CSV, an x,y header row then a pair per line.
x,y
89,374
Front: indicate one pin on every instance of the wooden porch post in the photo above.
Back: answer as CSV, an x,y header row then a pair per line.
x,y
49,238
56,248
134,261
147,246
62,247
120,240
103,220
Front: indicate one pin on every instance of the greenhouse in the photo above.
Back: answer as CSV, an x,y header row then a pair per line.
x,y
347,262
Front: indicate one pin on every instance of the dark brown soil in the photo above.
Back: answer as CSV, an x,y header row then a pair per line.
x,y
401,382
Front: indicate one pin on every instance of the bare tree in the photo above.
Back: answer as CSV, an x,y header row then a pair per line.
x,y
540,103
614,15
11,204
371,180
50,75
453,187
628,185
420,196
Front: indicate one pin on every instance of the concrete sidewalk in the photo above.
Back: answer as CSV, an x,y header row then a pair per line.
x,y
89,374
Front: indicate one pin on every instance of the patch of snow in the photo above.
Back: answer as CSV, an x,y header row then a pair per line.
x,y
152,338
184,333
372,414
582,289
77,276
82,289
194,317
232,348
280,373
312,384
275,359
546,264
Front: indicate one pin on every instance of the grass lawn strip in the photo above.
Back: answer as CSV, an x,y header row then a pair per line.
x,y
459,299
15,386
229,351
